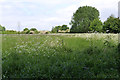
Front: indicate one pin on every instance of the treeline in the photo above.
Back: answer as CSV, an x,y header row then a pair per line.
x,y
30,31
24,31
60,29
86,20
4,31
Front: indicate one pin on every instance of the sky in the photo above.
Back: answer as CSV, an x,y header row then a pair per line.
x,y
45,14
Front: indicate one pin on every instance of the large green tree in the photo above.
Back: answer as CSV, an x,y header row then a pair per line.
x,y
82,18
112,25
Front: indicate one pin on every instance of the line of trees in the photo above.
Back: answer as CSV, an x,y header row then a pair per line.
x,y
86,19
25,31
56,29
29,31
4,31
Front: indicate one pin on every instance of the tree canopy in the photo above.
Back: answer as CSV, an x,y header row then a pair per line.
x,y
82,18
29,31
26,29
2,28
64,27
112,25
57,28
33,29
96,25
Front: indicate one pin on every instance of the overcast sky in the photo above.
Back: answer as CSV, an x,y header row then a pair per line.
x,y
45,14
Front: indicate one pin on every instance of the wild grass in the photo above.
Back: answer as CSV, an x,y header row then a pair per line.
x,y
42,56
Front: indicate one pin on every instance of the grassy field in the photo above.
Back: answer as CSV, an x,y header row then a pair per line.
x,y
55,56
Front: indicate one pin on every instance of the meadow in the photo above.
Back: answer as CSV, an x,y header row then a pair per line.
x,y
60,56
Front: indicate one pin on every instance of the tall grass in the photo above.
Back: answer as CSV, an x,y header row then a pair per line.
x,y
41,56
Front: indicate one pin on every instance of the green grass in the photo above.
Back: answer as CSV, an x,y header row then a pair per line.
x,y
42,56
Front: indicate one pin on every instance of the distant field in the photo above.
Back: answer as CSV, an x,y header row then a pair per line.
x,y
60,56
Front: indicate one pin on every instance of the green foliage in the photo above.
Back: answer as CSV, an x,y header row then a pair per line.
x,y
57,28
4,31
27,32
64,27
96,25
119,47
33,29
26,29
47,32
82,18
112,25
9,32
2,28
